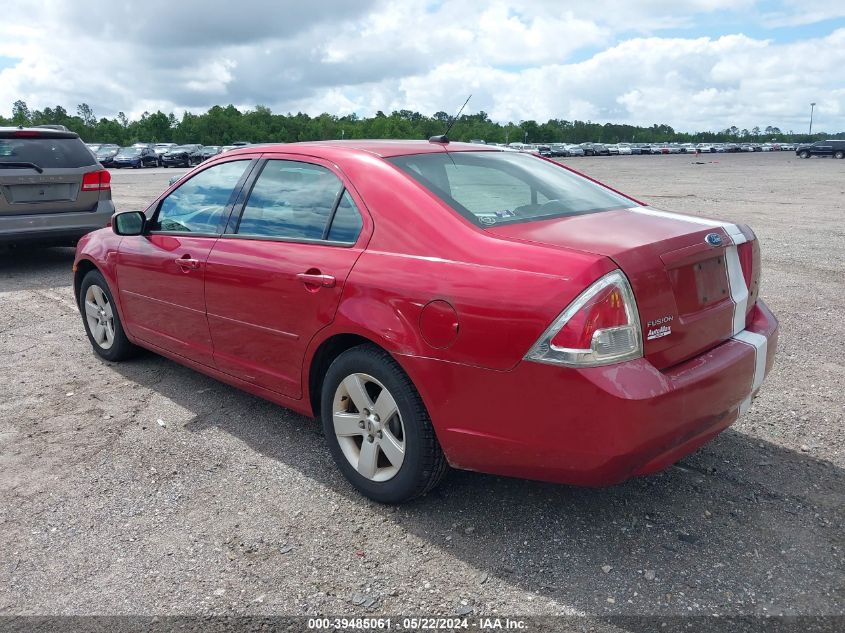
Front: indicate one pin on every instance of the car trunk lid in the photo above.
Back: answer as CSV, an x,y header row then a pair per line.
x,y
693,290
24,191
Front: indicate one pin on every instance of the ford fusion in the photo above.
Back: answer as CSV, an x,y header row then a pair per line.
x,y
441,305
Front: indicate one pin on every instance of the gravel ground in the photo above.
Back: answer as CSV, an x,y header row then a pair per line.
x,y
147,488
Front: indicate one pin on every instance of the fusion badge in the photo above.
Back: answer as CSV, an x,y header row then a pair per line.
x,y
658,328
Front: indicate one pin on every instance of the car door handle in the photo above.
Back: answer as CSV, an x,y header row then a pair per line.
x,y
187,263
317,279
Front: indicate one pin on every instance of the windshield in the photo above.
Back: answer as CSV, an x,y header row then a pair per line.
x,y
46,152
503,188
129,151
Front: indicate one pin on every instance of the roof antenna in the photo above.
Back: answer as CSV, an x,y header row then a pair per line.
x,y
444,138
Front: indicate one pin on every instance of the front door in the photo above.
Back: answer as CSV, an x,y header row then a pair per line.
x,y
161,274
276,279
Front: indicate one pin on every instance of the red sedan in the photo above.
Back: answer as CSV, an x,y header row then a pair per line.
x,y
439,304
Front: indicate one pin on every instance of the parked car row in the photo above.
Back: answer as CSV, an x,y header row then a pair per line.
x,y
627,149
142,155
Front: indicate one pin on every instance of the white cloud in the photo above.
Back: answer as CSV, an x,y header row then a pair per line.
x,y
800,12
606,61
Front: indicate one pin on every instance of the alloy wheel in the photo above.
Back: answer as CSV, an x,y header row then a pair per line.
x,y
100,316
369,427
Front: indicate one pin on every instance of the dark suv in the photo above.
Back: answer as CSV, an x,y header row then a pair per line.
x,y
182,156
822,148
52,189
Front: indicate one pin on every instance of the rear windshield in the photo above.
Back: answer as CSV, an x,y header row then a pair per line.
x,y
46,152
491,188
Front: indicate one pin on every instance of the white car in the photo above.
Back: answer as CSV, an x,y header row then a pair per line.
x,y
161,148
624,149
526,148
705,148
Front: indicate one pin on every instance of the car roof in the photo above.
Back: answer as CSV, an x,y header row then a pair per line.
x,y
381,148
36,132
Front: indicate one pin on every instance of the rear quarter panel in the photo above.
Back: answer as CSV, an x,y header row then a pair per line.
x,y
505,293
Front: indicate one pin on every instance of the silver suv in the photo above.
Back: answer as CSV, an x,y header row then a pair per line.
x,y
52,189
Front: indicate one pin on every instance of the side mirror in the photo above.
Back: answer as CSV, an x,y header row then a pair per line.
x,y
129,223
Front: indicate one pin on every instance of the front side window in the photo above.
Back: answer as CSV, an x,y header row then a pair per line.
x,y
492,188
291,200
200,205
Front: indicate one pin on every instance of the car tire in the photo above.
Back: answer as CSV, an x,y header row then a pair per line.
x,y
839,155
389,460
101,320
804,154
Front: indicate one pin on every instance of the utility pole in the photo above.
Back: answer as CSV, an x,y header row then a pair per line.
x,y
812,106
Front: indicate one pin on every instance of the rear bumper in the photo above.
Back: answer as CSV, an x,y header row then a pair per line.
x,y
596,426
58,227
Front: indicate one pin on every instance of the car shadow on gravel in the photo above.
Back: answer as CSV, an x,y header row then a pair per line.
x,y
30,267
741,526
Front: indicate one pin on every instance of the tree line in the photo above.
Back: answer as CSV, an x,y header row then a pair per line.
x,y
224,125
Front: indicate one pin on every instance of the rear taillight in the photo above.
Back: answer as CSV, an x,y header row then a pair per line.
x,y
749,260
26,134
96,180
600,327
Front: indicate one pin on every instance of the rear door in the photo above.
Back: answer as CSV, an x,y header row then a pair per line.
x,y
823,148
42,172
161,274
276,276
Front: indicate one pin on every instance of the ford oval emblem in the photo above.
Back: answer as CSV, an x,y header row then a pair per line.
x,y
714,239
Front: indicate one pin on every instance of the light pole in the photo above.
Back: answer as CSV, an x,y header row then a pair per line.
x,y
526,139
812,106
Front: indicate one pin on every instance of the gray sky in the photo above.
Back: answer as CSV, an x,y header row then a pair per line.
x,y
695,64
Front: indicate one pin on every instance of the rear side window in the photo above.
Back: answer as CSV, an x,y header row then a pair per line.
x,y
346,224
49,153
492,188
200,205
291,200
